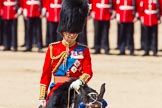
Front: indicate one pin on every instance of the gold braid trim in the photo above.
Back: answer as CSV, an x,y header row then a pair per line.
x,y
61,56
84,77
58,64
43,92
51,53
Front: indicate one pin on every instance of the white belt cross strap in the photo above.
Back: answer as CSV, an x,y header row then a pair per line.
x,y
32,2
150,11
52,5
126,7
9,3
101,5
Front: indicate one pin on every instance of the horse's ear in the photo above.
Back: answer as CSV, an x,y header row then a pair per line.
x,y
102,91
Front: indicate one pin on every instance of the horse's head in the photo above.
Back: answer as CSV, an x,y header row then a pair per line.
x,y
89,98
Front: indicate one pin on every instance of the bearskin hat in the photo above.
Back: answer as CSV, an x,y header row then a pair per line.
x,y
73,16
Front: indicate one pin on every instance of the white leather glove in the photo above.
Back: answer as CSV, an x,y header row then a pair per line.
x,y
42,102
76,84
25,12
43,12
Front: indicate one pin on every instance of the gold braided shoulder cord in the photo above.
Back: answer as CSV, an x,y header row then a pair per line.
x,y
61,56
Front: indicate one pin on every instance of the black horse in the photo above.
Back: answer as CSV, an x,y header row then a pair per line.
x,y
86,97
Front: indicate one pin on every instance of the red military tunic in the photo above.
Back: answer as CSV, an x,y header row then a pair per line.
x,y
125,11
1,7
114,5
82,64
139,7
53,10
9,9
21,3
150,12
102,9
32,7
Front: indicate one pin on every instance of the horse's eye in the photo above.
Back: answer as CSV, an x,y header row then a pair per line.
x,y
94,96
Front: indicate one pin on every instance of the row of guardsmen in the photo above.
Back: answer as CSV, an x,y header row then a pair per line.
x,y
148,12
126,12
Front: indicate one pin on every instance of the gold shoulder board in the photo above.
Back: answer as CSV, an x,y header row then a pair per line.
x,y
54,43
82,44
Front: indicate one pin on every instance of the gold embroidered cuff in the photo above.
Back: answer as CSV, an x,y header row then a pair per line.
x,y
84,78
42,92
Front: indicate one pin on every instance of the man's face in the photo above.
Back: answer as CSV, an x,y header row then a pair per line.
x,y
70,37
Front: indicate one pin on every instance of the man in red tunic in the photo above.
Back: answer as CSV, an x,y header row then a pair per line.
x,y
103,13
9,15
52,9
67,59
150,20
32,14
126,18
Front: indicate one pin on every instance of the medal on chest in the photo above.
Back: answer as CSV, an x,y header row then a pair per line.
x,y
78,54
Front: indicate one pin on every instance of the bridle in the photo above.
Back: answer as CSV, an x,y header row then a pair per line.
x,y
93,104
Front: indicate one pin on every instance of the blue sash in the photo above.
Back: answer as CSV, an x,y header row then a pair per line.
x,y
70,61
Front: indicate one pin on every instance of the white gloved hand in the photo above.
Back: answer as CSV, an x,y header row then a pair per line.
x,y
43,12
42,102
76,84
25,12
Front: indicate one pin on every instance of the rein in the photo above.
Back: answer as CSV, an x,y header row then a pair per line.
x,y
68,105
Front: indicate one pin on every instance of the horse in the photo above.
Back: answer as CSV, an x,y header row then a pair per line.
x,y
86,97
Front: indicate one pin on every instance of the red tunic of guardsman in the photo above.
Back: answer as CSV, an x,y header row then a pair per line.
x,y
102,9
150,12
114,5
53,10
125,10
139,7
1,5
9,9
32,8
21,3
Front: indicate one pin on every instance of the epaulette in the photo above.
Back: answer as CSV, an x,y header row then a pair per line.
x,y
82,44
54,43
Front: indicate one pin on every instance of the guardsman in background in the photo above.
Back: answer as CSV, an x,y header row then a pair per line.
x,y
103,13
150,20
52,10
126,18
1,22
139,4
32,13
10,14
